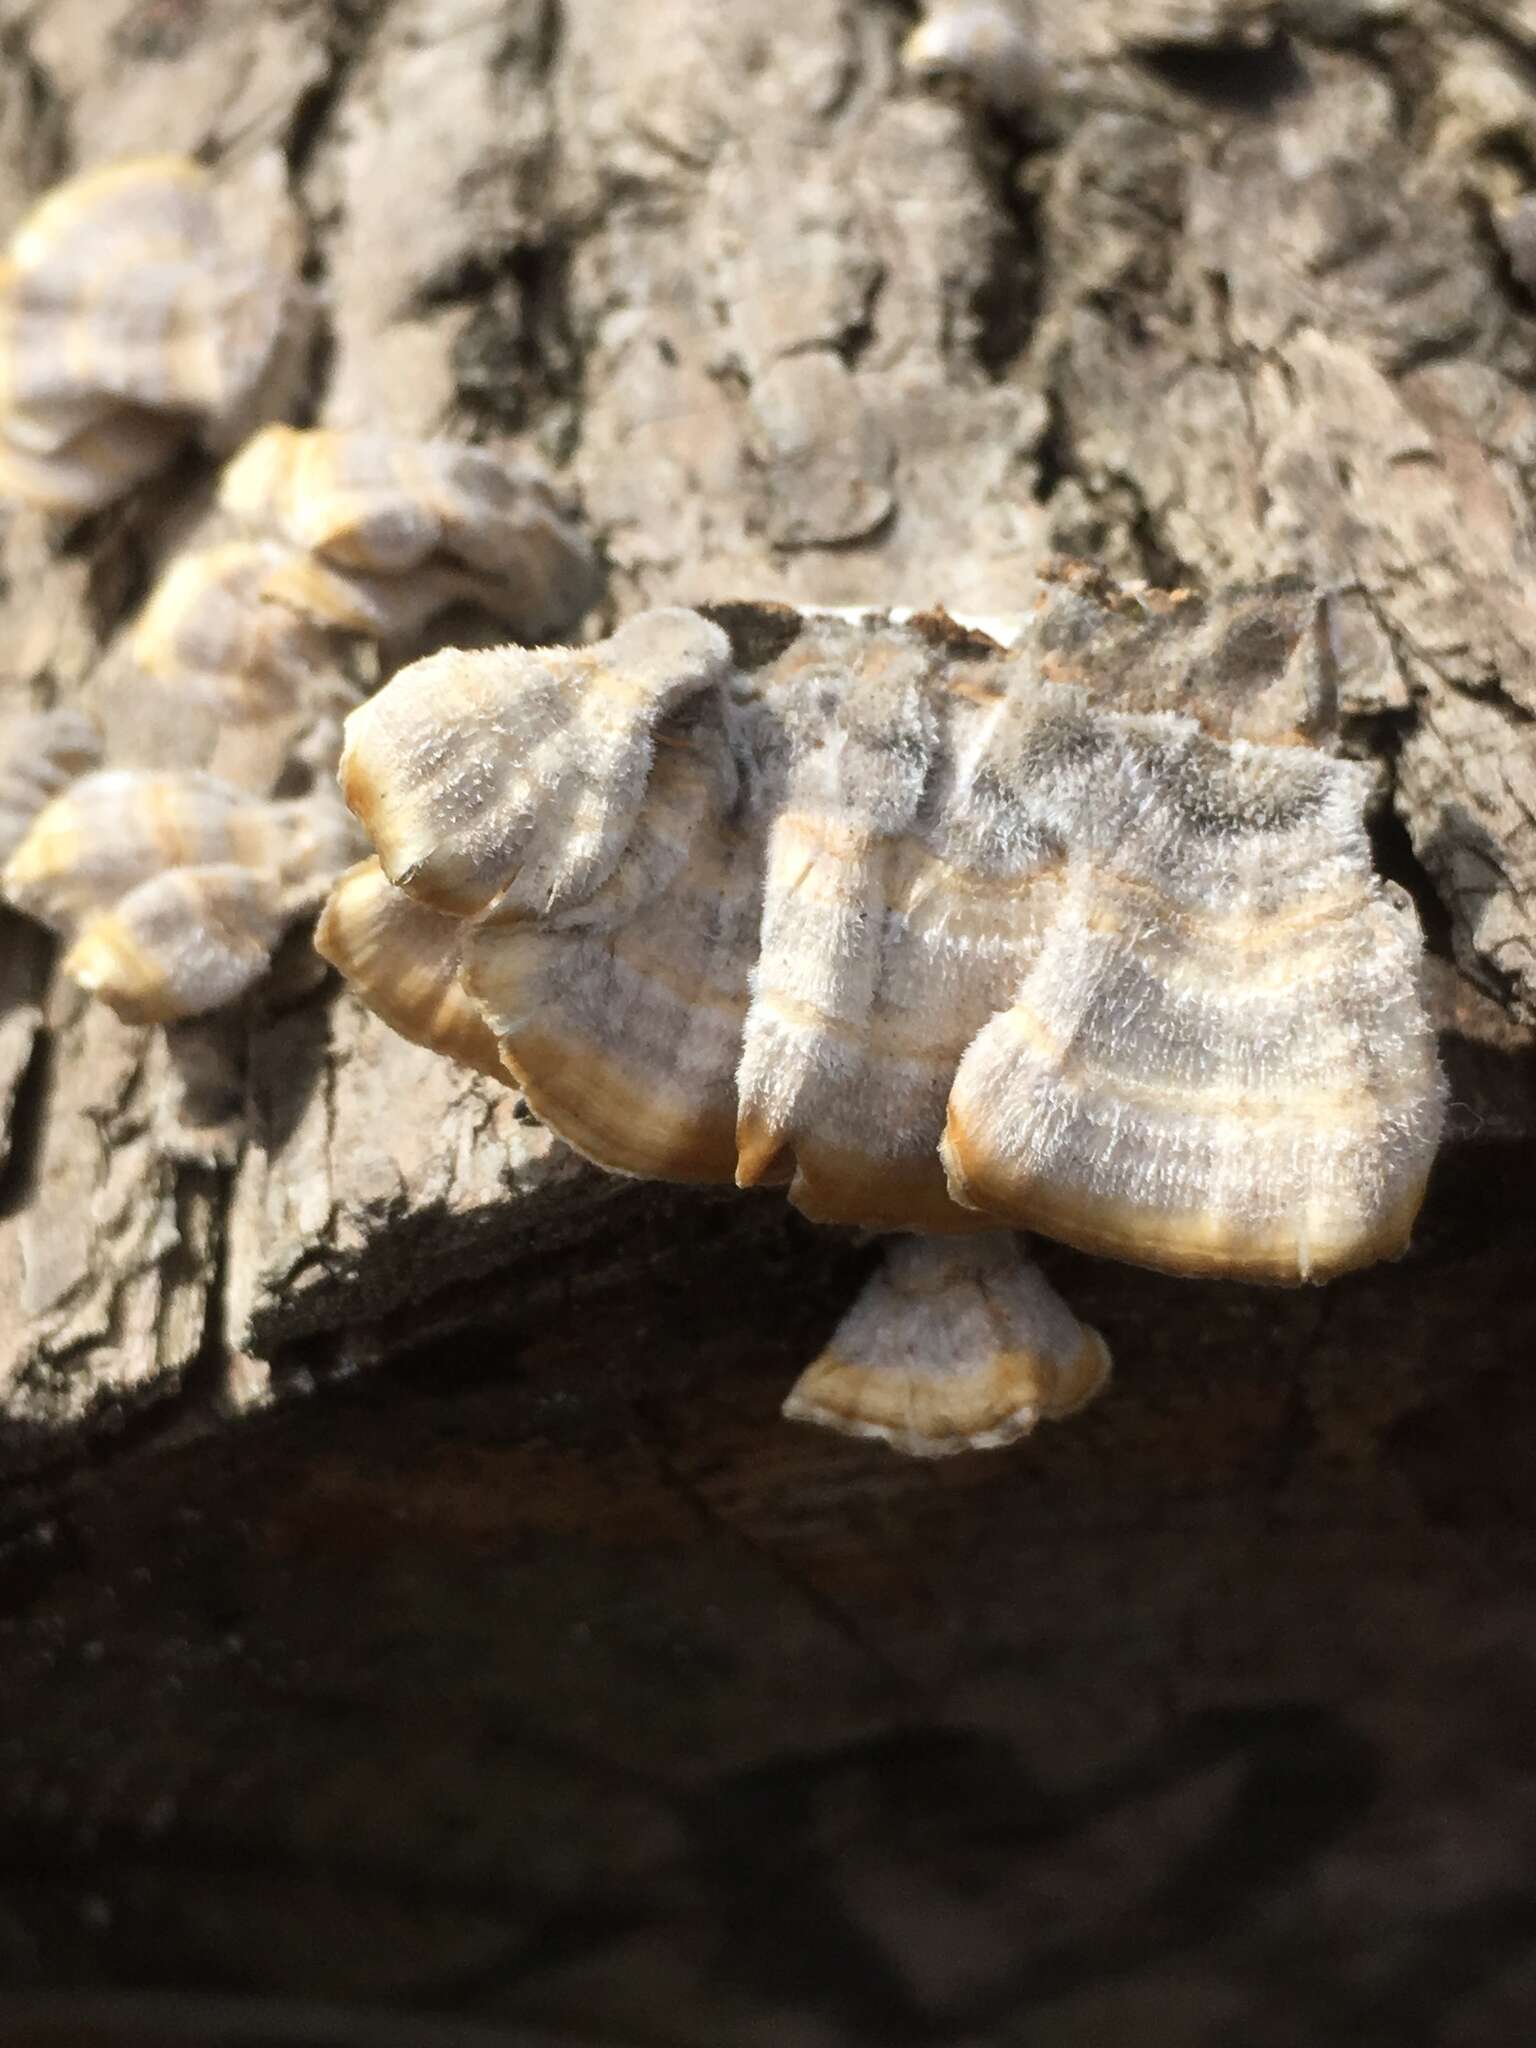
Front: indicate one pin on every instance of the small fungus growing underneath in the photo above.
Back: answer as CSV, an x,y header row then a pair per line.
x,y
943,936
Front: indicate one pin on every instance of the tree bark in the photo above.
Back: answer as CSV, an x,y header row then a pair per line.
x,y
537,1674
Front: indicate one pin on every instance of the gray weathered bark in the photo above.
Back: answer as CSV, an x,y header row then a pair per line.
x,y
547,1676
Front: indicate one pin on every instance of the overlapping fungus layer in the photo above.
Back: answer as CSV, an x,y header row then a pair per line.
x,y
881,913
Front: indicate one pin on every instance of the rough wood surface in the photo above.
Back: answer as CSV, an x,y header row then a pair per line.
x,y
543,1675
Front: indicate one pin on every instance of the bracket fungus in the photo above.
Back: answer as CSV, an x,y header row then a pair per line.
x,y
943,936
956,1343
343,537
139,305
386,531
41,754
173,889
173,883
209,637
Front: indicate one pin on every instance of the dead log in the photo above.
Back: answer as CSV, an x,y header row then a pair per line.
x,y
533,1672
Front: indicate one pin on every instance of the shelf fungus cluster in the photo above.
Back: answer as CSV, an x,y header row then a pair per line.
x,y
949,938
172,872
329,537
142,305
172,889
384,532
